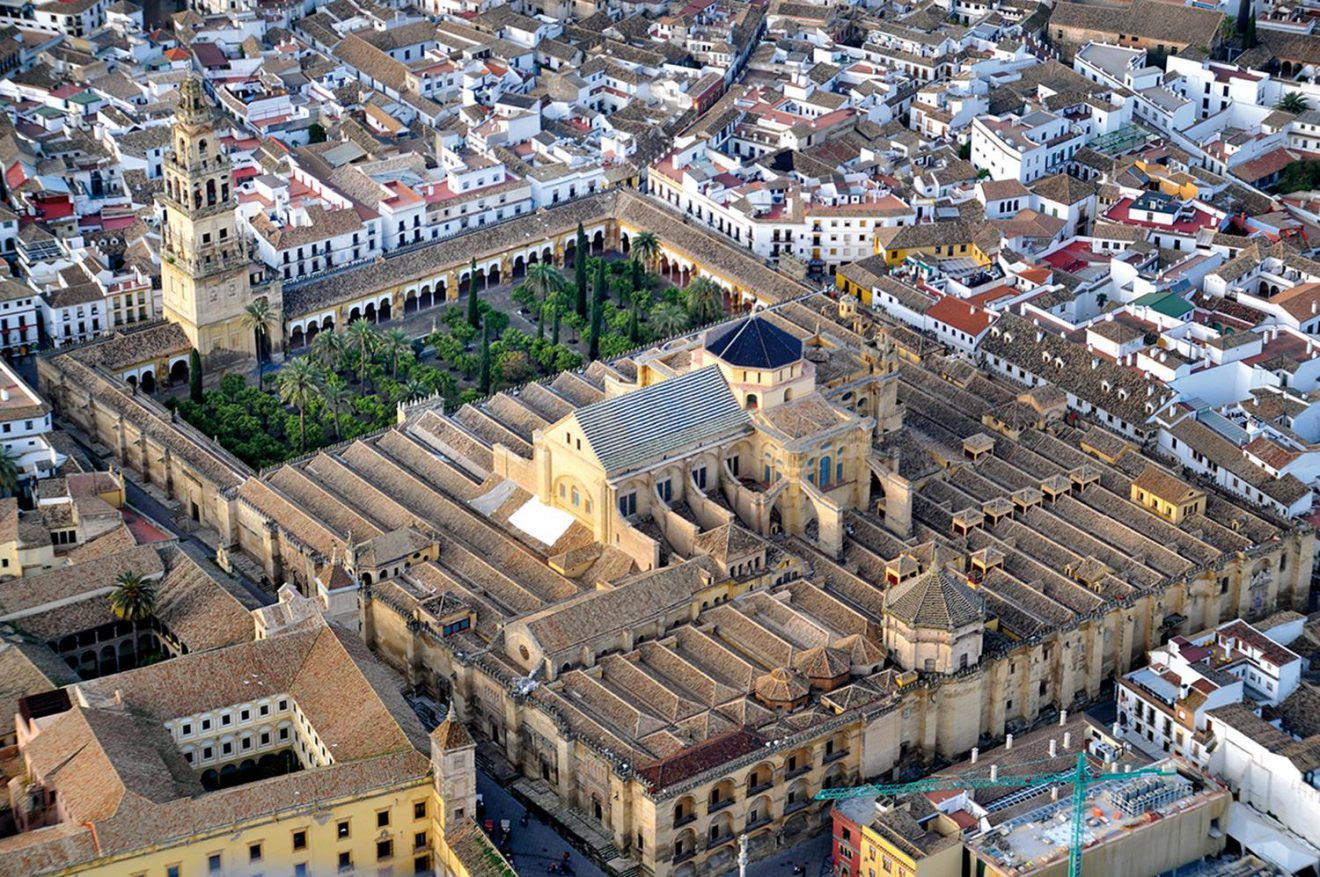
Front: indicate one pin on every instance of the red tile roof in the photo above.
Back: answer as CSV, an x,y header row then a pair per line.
x,y
700,758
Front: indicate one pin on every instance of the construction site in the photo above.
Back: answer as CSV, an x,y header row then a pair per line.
x,y
1139,826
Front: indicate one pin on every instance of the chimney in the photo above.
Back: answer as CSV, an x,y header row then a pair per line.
x,y
1313,306
1117,730
1054,748
1039,335
976,753
1063,717
1095,363
994,772
1067,739
1008,741
1054,793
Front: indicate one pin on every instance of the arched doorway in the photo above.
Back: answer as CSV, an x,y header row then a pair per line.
x,y
148,382
328,324
312,331
410,303
624,243
598,242
179,371
493,276
519,267
355,314
570,254
296,337
370,312
385,308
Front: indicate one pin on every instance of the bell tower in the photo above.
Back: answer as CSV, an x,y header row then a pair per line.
x,y
454,770
205,270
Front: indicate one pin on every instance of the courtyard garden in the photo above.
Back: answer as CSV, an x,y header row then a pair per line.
x,y
349,383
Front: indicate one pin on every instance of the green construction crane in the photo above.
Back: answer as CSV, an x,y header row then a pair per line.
x,y
1081,777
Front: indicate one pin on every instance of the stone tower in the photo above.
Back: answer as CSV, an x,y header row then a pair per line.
x,y
454,764
205,270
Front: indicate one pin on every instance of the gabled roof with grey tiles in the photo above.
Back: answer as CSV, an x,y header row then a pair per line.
x,y
661,419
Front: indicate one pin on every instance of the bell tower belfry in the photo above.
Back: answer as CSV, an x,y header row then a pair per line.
x,y
205,269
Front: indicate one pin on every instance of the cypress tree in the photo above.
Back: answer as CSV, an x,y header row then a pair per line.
x,y
195,376
597,312
580,270
485,357
473,312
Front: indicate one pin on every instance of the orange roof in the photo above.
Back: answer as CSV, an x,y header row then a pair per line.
x,y
968,318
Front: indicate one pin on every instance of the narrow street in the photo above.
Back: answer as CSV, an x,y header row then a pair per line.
x,y
537,846
148,506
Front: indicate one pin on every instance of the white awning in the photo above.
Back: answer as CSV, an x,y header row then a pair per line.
x,y
1268,839
540,521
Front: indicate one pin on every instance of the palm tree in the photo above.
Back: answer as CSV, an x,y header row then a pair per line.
x,y
336,395
328,349
362,337
396,343
668,319
646,248
257,318
415,389
1293,102
10,471
134,598
705,300
544,280
299,383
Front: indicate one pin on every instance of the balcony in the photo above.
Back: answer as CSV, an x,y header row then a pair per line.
x,y
796,772
680,821
795,806
683,856
756,823
834,756
717,806
718,842
760,787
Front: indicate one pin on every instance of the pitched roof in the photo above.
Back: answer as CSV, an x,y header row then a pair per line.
x,y
664,417
756,343
935,598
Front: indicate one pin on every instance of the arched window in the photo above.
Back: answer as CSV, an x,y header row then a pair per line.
x,y
824,471
752,401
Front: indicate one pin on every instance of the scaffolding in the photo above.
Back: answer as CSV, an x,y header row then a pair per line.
x,y
1149,794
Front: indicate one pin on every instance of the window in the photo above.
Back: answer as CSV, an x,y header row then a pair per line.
x,y
300,840
172,871
345,861
419,840
419,810
341,830
384,849
383,819
213,863
300,870
254,852
245,715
